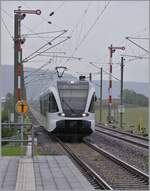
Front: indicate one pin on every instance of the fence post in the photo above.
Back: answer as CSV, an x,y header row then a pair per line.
x,y
32,140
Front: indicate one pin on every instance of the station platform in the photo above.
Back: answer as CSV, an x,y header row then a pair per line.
x,y
43,173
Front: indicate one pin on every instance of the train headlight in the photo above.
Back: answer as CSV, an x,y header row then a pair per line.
x,y
62,114
84,114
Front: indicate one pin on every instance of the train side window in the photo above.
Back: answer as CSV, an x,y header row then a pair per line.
x,y
44,112
52,104
92,104
41,105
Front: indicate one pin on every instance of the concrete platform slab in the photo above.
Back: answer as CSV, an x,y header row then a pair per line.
x,y
25,177
44,173
8,172
58,173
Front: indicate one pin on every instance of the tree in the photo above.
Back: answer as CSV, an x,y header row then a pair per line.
x,y
131,97
8,107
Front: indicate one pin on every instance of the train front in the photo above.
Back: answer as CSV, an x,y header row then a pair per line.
x,y
77,100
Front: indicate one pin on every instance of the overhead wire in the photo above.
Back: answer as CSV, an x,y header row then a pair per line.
x,y
59,6
37,70
40,69
48,43
139,46
37,33
8,31
46,49
124,40
74,28
28,28
81,21
90,28
43,18
104,71
37,78
30,34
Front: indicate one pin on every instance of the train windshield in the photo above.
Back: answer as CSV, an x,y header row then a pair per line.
x,y
73,97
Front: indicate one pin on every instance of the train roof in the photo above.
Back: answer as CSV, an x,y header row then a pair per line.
x,y
65,82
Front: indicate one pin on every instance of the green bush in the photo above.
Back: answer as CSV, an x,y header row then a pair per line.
x,y
7,132
4,116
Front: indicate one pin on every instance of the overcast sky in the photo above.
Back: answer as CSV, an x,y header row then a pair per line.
x,y
111,24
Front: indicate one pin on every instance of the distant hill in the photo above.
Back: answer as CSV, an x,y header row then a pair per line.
x,y
35,87
138,87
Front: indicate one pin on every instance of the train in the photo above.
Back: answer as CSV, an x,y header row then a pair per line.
x,y
67,108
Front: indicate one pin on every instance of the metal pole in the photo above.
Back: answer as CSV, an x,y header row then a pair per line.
x,y
22,79
0,97
0,128
111,51
15,64
101,83
121,93
110,85
21,120
32,140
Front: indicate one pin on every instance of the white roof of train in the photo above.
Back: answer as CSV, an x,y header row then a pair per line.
x,y
54,84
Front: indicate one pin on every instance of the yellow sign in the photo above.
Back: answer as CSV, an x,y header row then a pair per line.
x,y
22,107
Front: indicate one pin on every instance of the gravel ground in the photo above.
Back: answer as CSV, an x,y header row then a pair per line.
x,y
115,176
137,157
46,145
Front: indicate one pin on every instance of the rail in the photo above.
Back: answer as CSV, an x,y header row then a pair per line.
x,y
89,171
119,131
143,144
130,168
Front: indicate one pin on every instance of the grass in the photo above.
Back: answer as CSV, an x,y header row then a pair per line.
x,y
40,151
12,151
132,117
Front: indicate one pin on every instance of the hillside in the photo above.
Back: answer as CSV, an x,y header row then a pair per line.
x,y
36,87
138,87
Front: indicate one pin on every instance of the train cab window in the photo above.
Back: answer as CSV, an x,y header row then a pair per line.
x,y
52,104
92,104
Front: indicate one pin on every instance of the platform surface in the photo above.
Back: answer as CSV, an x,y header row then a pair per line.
x,y
47,173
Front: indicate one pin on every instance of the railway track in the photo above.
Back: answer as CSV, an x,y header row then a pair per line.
x,y
118,174
135,178
89,173
104,171
130,138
